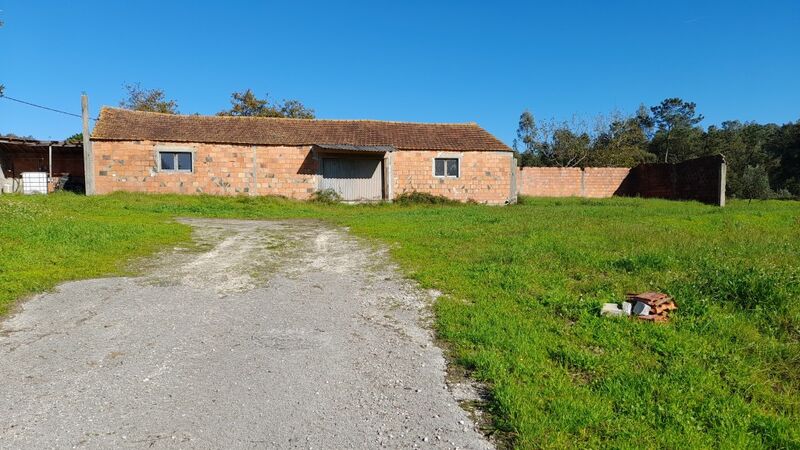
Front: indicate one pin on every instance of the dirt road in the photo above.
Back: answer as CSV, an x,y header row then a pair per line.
x,y
271,334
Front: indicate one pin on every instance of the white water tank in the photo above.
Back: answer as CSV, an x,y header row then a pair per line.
x,y
7,185
34,183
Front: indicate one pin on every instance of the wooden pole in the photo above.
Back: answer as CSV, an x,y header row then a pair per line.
x,y
88,157
50,160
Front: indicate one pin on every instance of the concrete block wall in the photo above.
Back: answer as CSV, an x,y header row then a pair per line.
x,y
485,177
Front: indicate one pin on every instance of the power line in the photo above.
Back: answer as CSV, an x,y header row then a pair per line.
x,y
42,107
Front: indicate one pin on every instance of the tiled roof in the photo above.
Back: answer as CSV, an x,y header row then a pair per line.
x,y
121,124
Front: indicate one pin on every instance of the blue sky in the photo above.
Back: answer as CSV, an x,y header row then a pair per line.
x,y
428,61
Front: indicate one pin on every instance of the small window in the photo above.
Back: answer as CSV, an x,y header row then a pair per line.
x,y
445,167
175,161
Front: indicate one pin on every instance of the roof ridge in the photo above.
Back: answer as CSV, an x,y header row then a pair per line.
x,y
287,119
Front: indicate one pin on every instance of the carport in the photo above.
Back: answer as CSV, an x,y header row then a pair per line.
x,y
358,173
61,160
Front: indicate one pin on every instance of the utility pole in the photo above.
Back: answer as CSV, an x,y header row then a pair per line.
x,y
88,156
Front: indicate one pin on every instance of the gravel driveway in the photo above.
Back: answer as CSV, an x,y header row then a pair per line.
x,y
270,334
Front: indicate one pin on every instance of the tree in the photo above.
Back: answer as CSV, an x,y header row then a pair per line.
x,y
526,137
784,146
755,183
245,103
296,110
76,138
152,100
675,120
743,146
622,144
568,148
645,121
551,143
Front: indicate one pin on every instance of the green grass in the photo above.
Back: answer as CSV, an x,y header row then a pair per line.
x,y
523,286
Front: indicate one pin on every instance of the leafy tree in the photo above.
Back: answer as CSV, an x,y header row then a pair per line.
x,y
245,103
784,146
16,136
622,144
526,137
296,110
676,133
743,146
551,143
755,183
152,100
76,138
568,148
645,121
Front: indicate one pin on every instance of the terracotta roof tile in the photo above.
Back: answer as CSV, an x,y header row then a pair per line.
x,y
122,124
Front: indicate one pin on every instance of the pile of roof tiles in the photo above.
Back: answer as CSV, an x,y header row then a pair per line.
x,y
653,306
650,306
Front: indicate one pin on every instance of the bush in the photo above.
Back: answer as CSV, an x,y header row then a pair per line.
x,y
423,198
327,196
783,194
755,183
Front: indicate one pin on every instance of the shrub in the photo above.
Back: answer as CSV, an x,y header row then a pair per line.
x,y
782,194
423,198
755,183
327,196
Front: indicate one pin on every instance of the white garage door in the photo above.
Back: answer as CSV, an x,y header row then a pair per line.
x,y
353,179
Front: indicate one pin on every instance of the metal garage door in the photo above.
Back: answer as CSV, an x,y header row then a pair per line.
x,y
353,179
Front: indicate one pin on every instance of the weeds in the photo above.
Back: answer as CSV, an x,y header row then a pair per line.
x,y
326,196
422,198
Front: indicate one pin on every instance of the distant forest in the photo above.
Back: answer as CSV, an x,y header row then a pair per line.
x,y
763,159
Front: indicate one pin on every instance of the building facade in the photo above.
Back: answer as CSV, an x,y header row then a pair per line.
x,y
360,160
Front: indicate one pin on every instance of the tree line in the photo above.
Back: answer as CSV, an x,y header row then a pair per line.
x,y
763,159
244,103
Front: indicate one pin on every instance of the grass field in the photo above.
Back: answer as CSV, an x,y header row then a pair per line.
x,y
523,286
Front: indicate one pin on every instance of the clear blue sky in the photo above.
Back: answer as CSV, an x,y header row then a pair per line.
x,y
425,61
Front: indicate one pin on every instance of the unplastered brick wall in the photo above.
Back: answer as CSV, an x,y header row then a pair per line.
x,y
485,177
218,169
594,182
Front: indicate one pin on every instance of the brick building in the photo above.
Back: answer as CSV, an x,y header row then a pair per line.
x,y
360,159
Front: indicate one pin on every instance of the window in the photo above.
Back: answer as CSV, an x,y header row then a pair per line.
x,y
175,161
445,167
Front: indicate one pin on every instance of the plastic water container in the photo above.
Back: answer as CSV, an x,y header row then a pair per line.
x,y
34,183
